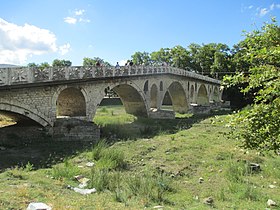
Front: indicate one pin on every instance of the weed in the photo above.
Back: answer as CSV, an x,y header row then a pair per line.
x,y
66,170
236,171
28,167
147,131
104,110
98,149
16,173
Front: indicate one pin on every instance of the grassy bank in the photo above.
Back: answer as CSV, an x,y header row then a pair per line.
x,y
142,163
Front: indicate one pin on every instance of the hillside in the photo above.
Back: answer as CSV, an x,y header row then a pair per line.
x,y
186,163
7,66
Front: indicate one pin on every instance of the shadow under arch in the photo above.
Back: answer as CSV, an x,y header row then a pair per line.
x,y
154,96
178,97
131,99
71,102
20,112
202,96
216,97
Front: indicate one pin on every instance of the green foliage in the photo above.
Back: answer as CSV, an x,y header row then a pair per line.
x,y
61,63
141,58
93,61
66,170
259,55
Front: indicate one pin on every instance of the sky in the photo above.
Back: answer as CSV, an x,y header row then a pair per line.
x,y
36,31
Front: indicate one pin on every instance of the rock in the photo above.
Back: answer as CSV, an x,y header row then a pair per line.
x,y
208,201
82,180
158,207
84,191
38,206
2,148
89,164
271,203
255,167
271,186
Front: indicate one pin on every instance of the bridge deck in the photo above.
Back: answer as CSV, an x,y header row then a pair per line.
x,y
25,75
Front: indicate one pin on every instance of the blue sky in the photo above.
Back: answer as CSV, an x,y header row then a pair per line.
x,y
41,31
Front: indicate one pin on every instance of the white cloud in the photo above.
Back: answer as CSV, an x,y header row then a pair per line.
x,y
18,43
64,49
250,7
263,12
77,16
70,20
79,12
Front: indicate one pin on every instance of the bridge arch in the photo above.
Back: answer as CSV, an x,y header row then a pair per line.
x,y
15,108
202,96
216,97
192,93
154,96
178,97
71,102
132,99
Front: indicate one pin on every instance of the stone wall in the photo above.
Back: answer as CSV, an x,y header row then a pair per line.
x,y
74,130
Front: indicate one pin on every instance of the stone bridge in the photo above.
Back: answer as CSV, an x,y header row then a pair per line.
x,y
45,95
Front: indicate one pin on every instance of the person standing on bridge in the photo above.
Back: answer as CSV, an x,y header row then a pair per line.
x,y
117,65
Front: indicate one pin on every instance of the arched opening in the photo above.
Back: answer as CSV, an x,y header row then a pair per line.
x,y
22,114
178,97
192,94
216,95
154,96
146,86
8,118
161,86
71,102
131,99
202,97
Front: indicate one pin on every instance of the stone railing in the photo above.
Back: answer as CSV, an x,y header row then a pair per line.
x,y
24,75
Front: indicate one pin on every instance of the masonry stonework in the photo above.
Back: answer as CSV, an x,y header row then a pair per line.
x,y
50,95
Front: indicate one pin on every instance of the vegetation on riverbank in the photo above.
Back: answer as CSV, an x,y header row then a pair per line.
x,y
178,164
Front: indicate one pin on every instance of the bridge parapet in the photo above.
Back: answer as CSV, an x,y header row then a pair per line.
x,y
25,75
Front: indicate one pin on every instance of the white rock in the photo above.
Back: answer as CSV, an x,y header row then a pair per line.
x,y
90,164
38,206
84,191
271,203
271,186
158,207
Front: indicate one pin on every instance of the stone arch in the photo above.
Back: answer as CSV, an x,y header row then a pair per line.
x,y
202,96
71,102
192,94
146,86
178,97
161,86
24,111
216,94
154,96
131,99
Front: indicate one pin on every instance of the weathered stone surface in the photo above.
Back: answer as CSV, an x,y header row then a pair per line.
x,y
45,95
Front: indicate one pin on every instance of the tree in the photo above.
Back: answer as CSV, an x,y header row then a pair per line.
x,y
141,58
258,126
210,59
162,56
180,57
61,63
92,61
